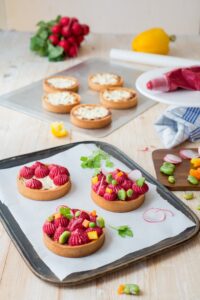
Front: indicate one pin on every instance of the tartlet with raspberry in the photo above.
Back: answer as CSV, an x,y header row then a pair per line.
x,y
73,232
116,192
43,182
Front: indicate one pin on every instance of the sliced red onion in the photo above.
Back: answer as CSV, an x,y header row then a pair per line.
x,y
199,150
134,175
188,154
159,215
171,158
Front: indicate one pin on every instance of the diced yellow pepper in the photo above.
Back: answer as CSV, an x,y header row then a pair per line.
x,y
57,216
195,162
92,235
93,213
109,191
120,289
95,179
119,174
86,223
58,129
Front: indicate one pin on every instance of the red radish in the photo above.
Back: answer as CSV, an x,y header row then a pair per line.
x,y
134,175
74,20
56,29
77,29
64,44
188,154
71,40
64,21
86,29
54,39
66,32
171,158
79,40
73,51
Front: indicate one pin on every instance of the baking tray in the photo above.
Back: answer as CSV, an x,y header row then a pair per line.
x,y
38,266
28,99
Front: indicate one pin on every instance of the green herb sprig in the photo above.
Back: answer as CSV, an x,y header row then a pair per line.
x,y
65,211
123,231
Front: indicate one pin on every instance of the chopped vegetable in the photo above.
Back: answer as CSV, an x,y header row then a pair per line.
x,y
171,179
121,194
188,154
195,162
64,237
171,158
156,215
167,168
66,212
192,180
128,289
58,129
188,196
123,230
92,235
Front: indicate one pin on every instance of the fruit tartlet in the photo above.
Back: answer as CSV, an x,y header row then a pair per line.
x,y
90,116
73,232
116,192
60,84
99,81
43,182
60,102
118,98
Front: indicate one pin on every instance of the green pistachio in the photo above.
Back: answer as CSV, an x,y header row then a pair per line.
x,y
140,181
188,196
114,182
109,178
167,170
77,213
100,222
121,194
171,179
129,192
92,224
192,180
131,289
50,218
64,237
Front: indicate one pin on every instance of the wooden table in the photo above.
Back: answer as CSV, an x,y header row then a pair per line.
x,y
171,276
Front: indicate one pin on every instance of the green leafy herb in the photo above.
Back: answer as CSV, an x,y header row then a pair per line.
x,y
65,211
123,230
94,161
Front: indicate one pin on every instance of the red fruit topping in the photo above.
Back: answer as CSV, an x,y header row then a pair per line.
x,y
41,171
110,197
36,164
127,184
78,237
49,228
86,29
58,233
140,189
77,29
64,44
83,215
64,21
75,223
73,51
56,29
26,172
66,32
97,229
60,179
33,184
57,170
54,39
62,221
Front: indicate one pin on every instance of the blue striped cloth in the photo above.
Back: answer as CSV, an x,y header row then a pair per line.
x,y
178,124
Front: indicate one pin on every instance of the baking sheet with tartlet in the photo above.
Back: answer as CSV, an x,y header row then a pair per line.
x,y
25,227
28,99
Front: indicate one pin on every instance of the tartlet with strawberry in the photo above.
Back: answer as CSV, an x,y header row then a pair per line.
x,y
116,192
43,181
73,232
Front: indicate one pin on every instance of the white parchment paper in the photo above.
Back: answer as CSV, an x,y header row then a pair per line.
x,y
31,215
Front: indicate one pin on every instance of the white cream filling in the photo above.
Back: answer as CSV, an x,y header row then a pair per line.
x,y
105,78
61,98
47,182
61,82
117,95
91,113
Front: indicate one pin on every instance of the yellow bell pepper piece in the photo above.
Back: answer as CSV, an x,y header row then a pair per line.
x,y
58,129
57,216
154,40
93,213
109,191
95,179
86,223
195,162
92,235
195,173
120,289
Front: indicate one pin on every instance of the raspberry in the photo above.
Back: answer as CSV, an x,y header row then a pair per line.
x,y
110,197
41,171
75,224
36,164
49,228
62,221
33,184
78,237
58,233
97,229
57,170
127,184
60,179
140,189
26,172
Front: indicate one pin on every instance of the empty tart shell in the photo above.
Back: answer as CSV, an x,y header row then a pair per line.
x,y
87,123
117,205
49,88
100,87
61,108
74,251
119,104
43,195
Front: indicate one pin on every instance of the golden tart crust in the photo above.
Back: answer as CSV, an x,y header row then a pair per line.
x,y
49,88
123,103
95,86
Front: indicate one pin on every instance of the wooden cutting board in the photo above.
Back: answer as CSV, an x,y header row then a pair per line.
x,y
181,171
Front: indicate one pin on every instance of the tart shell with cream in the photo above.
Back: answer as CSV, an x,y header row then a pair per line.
x,y
90,116
60,102
73,232
118,98
60,84
43,182
100,81
116,192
